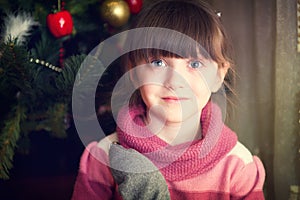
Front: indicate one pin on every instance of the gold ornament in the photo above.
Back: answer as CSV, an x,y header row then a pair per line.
x,y
115,12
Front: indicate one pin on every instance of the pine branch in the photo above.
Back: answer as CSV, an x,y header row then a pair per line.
x,y
52,121
56,118
80,7
14,66
47,48
9,136
65,80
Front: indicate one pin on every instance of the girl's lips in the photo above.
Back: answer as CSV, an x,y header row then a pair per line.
x,y
174,99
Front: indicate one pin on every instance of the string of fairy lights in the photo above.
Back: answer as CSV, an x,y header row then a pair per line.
x,y
46,64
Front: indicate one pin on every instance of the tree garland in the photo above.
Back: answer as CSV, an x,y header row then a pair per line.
x,y
35,90
25,84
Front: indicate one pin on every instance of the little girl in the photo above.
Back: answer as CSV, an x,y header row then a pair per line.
x,y
170,141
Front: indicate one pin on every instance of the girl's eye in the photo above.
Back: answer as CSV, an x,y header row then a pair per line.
x,y
158,63
196,64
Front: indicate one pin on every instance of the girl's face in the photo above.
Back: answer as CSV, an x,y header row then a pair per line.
x,y
176,89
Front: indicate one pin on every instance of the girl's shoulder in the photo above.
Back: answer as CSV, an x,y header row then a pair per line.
x,y
247,173
96,154
242,152
106,142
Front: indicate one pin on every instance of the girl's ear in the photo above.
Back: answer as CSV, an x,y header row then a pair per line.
x,y
222,71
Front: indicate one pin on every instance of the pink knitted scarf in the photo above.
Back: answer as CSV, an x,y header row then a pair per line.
x,y
181,161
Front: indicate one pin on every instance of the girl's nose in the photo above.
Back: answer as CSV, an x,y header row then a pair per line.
x,y
173,78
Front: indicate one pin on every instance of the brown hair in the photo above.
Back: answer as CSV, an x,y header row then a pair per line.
x,y
193,18
190,17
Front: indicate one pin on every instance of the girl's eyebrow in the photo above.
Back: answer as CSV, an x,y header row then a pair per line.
x,y
201,57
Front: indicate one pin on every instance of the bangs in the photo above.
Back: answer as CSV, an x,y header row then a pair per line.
x,y
165,43
199,34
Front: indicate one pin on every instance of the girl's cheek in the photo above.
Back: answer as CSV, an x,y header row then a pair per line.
x,y
208,78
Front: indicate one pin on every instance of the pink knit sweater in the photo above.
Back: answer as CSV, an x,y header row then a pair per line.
x,y
206,169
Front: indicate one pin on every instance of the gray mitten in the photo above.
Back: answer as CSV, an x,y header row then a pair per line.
x,y
137,177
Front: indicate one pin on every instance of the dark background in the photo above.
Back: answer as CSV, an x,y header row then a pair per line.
x,y
48,171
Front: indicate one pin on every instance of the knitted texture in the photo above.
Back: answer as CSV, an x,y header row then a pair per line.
x,y
136,176
182,161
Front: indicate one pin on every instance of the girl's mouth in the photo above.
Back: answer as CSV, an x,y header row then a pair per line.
x,y
174,99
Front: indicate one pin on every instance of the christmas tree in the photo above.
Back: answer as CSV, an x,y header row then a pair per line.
x,y
42,46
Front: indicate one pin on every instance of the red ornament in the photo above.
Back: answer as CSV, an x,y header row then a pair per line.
x,y
135,6
60,23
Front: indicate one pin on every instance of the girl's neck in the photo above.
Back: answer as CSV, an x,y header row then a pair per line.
x,y
179,132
